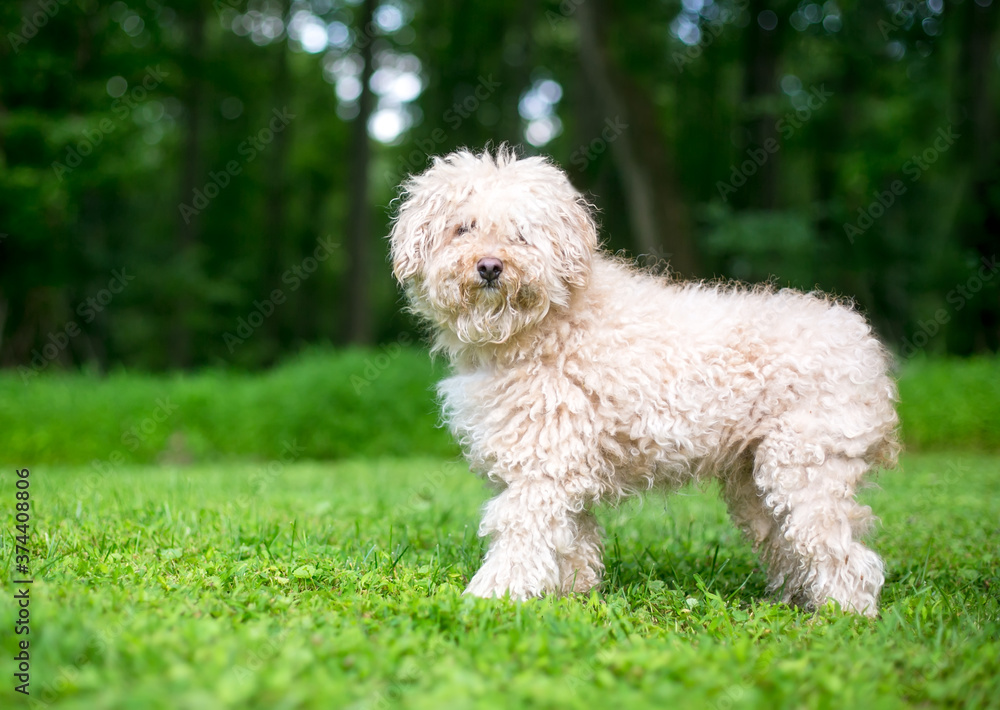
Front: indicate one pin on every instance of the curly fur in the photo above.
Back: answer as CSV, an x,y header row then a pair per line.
x,y
578,378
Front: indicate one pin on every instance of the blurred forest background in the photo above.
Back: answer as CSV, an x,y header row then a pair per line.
x,y
191,183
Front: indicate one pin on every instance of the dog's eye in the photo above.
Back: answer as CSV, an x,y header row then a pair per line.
x,y
465,228
520,237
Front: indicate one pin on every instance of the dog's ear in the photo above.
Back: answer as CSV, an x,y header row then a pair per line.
x,y
576,240
425,201
406,242
413,227
565,215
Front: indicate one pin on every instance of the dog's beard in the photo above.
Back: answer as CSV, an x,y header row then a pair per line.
x,y
495,313
480,313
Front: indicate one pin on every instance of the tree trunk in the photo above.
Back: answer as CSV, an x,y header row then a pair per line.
x,y
180,341
359,315
761,82
656,211
976,326
276,232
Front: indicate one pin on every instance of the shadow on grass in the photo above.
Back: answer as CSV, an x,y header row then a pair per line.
x,y
736,577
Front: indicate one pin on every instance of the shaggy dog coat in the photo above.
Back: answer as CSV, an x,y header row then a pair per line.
x,y
577,379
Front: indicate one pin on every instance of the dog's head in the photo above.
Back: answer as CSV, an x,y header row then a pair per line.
x,y
486,245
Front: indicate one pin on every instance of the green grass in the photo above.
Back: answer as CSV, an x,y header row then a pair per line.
x,y
328,585
333,405
949,403
356,403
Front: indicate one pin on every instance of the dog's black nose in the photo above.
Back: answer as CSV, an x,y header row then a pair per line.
x,y
489,268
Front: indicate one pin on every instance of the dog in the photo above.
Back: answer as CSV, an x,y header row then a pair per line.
x,y
578,378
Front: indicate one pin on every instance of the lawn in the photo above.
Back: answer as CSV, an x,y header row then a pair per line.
x,y
328,585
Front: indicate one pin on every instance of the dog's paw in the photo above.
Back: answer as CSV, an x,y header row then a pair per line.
x,y
485,585
485,588
516,580
579,581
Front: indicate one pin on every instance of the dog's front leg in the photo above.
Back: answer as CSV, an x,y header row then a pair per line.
x,y
530,524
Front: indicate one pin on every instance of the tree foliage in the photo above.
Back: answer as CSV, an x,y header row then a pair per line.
x,y
185,184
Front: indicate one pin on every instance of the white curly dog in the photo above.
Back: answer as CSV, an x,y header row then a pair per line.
x,y
578,378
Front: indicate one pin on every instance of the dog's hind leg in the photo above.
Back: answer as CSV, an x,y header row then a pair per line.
x,y
743,500
748,512
813,552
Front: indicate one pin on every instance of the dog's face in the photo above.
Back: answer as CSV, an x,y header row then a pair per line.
x,y
485,246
